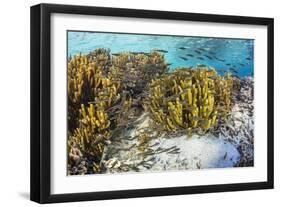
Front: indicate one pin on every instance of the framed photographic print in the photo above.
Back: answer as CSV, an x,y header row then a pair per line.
x,y
132,103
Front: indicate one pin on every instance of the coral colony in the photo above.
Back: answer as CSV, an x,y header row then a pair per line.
x,y
127,112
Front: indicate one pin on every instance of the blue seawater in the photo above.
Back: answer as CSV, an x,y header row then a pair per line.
x,y
234,55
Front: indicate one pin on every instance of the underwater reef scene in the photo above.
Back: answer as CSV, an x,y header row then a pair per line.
x,y
152,103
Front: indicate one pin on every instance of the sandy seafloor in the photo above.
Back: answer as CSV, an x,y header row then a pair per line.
x,y
230,145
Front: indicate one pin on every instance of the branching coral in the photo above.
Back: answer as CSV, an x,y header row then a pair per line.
x,y
190,99
88,82
136,69
90,137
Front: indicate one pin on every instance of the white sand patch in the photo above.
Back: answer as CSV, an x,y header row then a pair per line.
x,y
170,153
196,153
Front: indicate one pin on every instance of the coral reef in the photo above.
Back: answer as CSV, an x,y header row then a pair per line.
x,y
101,89
123,108
191,99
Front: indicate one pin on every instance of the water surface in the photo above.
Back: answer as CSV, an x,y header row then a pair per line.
x,y
234,55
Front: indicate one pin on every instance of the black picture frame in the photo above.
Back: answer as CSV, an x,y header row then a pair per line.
x,y
41,96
